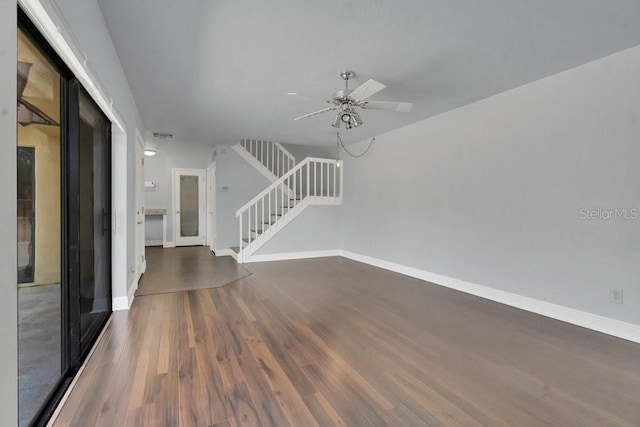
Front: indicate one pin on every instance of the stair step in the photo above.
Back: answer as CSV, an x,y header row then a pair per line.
x,y
248,239
235,249
269,223
276,214
258,231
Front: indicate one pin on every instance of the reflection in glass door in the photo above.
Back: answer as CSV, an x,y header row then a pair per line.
x,y
94,217
189,202
26,214
40,320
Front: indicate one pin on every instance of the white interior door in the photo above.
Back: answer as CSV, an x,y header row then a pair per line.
x,y
211,207
141,263
189,207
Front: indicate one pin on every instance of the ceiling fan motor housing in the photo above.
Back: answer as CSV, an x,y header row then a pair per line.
x,y
340,97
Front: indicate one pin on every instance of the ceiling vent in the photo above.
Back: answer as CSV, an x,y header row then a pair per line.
x,y
163,135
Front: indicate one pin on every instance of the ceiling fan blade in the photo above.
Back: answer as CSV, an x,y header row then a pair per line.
x,y
401,107
367,89
308,96
324,110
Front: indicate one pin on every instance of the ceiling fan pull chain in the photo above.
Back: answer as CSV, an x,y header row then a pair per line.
x,y
350,153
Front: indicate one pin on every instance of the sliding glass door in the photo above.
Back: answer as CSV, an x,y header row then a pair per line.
x,y
64,225
93,208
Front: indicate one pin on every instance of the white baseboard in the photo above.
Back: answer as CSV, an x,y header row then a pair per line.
x,y
168,244
293,255
124,303
132,292
153,243
224,252
628,331
120,303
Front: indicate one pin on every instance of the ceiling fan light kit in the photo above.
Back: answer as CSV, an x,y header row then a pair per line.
x,y
346,101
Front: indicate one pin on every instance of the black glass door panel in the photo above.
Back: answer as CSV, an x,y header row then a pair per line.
x,y
94,205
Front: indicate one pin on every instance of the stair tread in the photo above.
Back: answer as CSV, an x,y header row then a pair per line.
x,y
259,231
248,240
235,249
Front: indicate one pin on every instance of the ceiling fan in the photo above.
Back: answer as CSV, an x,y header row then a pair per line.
x,y
346,101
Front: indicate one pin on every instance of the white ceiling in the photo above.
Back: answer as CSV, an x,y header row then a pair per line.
x,y
215,71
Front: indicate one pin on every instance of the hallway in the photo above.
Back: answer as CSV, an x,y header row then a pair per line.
x,y
330,341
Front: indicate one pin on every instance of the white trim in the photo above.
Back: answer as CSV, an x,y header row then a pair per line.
x,y
628,331
293,255
121,232
225,252
54,28
254,162
141,218
210,212
202,201
153,243
168,245
119,303
257,165
124,303
131,295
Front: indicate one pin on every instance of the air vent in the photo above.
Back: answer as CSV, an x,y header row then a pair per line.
x,y
162,135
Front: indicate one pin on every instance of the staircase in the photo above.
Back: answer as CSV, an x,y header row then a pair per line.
x,y
313,181
270,158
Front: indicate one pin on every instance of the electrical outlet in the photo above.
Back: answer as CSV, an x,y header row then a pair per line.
x,y
616,296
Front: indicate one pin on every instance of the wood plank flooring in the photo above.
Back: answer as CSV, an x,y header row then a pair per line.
x,y
334,342
187,268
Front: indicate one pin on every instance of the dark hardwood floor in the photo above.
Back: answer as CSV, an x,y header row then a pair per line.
x,y
334,342
186,269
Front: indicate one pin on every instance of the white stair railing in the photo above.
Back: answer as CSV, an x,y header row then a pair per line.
x,y
313,181
272,155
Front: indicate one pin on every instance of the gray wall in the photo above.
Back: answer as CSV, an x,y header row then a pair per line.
x,y
8,275
171,154
243,183
491,193
317,228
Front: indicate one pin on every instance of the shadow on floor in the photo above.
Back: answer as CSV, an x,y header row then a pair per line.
x,y
187,268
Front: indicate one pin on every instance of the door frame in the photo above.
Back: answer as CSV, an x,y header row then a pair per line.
x,y
141,256
211,207
198,240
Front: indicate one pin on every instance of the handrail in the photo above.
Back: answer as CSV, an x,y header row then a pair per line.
x,y
270,154
285,152
313,181
281,180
